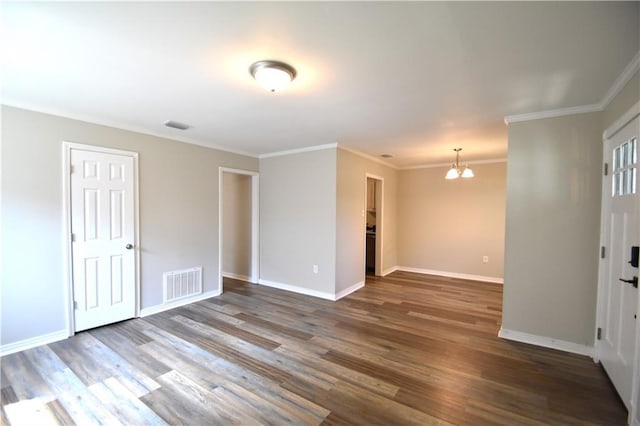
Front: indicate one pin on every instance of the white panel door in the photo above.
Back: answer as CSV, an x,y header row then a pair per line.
x,y
102,226
618,296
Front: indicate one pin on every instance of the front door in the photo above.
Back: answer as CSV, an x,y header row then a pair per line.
x,y
618,298
103,237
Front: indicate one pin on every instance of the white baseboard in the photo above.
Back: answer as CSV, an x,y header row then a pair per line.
x,y
495,280
349,290
166,306
547,342
389,271
236,276
297,289
23,345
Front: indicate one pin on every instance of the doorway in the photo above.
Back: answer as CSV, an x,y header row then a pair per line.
x,y
238,225
101,224
617,342
374,190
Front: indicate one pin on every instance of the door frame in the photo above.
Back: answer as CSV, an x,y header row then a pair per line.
x,y
634,412
255,223
67,250
379,222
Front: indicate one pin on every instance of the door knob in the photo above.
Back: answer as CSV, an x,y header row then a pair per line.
x,y
129,246
633,281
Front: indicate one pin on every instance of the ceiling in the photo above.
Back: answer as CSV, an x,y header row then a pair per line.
x,y
414,80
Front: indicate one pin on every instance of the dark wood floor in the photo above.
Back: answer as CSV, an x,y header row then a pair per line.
x,y
406,349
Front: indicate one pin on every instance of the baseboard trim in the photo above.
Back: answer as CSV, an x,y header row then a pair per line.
x,y
297,289
495,280
166,306
547,342
23,345
347,291
389,271
236,276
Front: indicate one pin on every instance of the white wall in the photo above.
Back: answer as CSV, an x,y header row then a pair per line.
x,y
236,225
350,224
298,220
449,225
178,213
553,227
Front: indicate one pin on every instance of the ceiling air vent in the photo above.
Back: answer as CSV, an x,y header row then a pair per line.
x,y
176,125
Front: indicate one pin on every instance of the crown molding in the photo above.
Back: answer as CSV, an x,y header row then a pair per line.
x,y
299,150
627,73
552,113
368,157
120,126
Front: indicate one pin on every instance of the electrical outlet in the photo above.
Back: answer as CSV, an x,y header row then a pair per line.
x,y
485,259
315,269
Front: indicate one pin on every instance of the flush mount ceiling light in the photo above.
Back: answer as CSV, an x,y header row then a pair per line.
x,y
455,172
272,75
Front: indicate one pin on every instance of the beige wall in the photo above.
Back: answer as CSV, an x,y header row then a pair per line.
x,y
350,222
178,213
622,102
553,227
298,220
236,225
449,225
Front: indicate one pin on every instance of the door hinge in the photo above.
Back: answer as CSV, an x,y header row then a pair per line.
x,y
599,334
73,237
71,170
602,252
75,305
606,169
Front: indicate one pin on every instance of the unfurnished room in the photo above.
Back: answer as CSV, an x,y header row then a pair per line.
x,y
319,213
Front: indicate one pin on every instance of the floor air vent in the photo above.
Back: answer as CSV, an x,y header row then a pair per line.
x,y
180,284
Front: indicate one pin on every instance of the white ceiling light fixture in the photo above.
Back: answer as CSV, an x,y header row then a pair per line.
x,y
455,172
272,75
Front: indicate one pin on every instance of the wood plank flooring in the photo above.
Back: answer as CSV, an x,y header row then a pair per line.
x,y
407,349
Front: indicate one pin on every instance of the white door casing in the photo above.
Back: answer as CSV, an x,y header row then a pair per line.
x,y
102,198
618,300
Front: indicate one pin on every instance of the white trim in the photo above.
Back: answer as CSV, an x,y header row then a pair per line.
x,y
298,289
23,345
121,126
298,150
552,113
67,268
546,342
627,73
389,271
236,276
433,166
495,280
177,303
347,291
617,86
368,157
604,265
255,224
621,122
